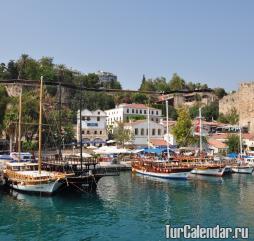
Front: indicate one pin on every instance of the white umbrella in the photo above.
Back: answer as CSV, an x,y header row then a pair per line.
x,y
110,150
91,147
111,141
85,155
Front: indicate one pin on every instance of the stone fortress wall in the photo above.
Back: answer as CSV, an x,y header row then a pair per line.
x,y
243,101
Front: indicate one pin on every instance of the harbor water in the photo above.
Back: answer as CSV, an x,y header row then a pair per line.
x,y
129,207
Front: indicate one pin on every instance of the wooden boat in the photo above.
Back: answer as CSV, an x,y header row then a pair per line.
x,y
162,169
204,166
209,169
25,177
243,169
29,177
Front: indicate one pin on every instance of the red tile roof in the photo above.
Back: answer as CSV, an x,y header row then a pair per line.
x,y
225,135
216,144
158,142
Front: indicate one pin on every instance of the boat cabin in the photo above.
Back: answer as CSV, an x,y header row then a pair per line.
x,y
24,156
22,166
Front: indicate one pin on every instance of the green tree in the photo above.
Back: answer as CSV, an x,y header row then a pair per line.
x,y
147,85
4,99
122,135
233,143
220,92
10,120
182,129
211,111
232,117
176,83
12,70
136,117
139,98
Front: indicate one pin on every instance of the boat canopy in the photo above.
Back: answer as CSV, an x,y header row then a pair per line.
x,y
156,150
232,155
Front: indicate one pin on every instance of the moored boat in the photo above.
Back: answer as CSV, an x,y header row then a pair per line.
x,y
209,170
25,177
242,169
29,177
166,170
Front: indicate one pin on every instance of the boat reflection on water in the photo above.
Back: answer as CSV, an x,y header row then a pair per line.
x,y
210,179
192,179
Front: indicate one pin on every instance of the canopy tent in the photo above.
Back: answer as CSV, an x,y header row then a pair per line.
x,y
111,150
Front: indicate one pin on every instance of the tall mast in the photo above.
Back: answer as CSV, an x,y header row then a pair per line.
x,y
200,130
20,116
167,129
148,127
80,127
60,119
40,127
241,146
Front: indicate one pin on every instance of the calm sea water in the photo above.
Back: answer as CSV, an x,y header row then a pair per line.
x,y
129,207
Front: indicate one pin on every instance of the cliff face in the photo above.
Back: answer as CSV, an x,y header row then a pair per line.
x,y
243,102
228,102
13,90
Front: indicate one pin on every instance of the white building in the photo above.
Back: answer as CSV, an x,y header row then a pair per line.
x,y
140,131
106,77
94,129
124,112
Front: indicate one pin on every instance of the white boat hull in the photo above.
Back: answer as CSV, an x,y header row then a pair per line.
x,y
45,188
209,171
175,175
243,170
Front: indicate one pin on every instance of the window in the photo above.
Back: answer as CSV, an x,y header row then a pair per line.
x,y
136,131
157,120
95,132
100,132
157,113
152,112
152,119
133,111
159,132
136,111
144,111
127,110
86,118
98,118
142,131
140,111
153,132
98,112
83,132
88,132
147,132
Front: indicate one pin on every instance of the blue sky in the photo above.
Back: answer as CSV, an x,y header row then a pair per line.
x,y
210,41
